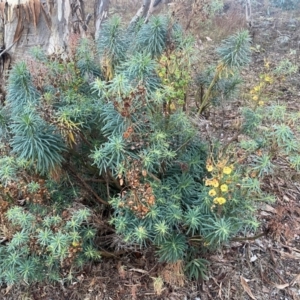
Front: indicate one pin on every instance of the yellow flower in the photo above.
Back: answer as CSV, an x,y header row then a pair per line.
x,y
209,168
227,170
212,193
224,188
261,103
267,64
268,79
215,182
208,182
220,200
172,106
255,98
256,88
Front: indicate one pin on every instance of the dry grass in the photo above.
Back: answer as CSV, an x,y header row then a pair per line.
x,y
225,24
174,274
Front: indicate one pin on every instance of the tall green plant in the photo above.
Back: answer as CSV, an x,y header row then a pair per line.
x,y
36,142
123,139
234,54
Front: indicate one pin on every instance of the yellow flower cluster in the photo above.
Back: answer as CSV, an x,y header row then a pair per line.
x,y
220,200
224,188
212,182
212,193
209,165
227,170
209,168
218,187
257,91
267,78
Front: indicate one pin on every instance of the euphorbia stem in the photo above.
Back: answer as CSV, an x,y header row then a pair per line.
x,y
206,98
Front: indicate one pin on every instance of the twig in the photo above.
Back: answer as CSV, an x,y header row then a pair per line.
x,y
184,144
111,255
84,139
206,100
86,186
115,181
7,49
107,186
234,138
250,238
95,180
3,240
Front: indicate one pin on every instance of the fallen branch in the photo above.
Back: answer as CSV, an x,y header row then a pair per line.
x,y
7,49
248,238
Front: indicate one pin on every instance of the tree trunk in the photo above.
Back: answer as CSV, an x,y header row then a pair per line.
x,y
44,23
146,10
35,23
100,14
48,24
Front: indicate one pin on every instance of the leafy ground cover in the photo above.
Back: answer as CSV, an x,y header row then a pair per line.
x,y
257,129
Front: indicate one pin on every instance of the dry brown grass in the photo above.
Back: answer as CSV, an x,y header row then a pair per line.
x,y
223,25
173,273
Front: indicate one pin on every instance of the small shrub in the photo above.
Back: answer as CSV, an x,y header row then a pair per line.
x,y
223,80
43,243
270,128
285,68
117,133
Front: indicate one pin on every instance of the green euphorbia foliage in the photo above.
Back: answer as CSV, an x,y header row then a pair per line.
x,y
115,132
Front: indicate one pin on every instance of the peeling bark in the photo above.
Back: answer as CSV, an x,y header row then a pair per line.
x,y
44,23
248,9
142,12
61,27
146,10
150,9
101,13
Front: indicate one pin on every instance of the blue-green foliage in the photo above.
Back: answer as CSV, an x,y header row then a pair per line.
x,y
148,162
110,155
164,147
8,169
32,139
112,42
225,88
269,130
4,121
222,81
21,93
36,250
36,142
140,69
153,36
86,61
235,51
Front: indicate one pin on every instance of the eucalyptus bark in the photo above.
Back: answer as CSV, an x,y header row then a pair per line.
x,y
146,10
49,24
100,14
45,23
